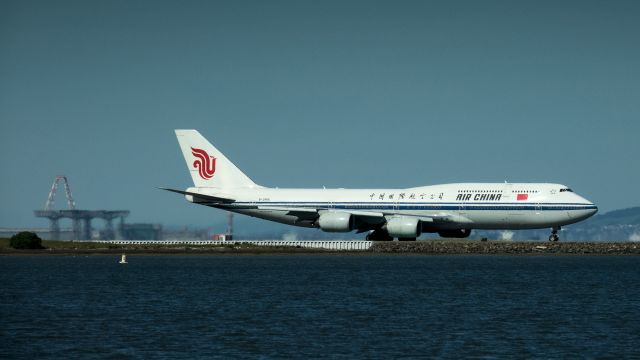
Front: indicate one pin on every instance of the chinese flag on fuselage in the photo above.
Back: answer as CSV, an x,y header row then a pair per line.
x,y
522,197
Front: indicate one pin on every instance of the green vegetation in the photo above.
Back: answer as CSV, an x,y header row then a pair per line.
x,y
60,244
26,240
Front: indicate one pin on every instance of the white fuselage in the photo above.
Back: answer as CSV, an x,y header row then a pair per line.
x,y
448,206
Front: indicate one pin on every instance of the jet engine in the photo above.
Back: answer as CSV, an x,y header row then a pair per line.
x,y
403,227
459,233
336,222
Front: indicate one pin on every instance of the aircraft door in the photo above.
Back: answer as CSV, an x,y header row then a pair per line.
x,y
461,207
330,203
507,192
396,205
507,196
540,216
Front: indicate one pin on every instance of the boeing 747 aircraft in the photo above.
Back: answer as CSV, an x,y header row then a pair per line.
x,y
451,210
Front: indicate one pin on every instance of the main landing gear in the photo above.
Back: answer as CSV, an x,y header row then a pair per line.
x,y
554,234
379,235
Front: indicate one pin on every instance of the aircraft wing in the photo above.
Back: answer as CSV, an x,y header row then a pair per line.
x,y
319,211
446,218
202,197
377,217
315,213
301,213
290,210
368,217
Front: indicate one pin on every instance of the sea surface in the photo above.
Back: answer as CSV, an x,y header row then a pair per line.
x,y
302,306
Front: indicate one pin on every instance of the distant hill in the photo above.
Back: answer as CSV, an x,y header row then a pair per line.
x,y
615,217
615,225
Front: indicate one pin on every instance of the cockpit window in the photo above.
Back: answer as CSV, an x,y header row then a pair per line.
x,y
566,189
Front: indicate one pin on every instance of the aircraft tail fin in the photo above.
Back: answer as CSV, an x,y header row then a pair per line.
x,y
207,165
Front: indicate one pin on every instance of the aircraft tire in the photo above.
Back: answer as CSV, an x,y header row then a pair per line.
x,y
379,236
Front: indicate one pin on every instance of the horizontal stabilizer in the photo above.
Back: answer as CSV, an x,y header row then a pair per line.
x,y
208,198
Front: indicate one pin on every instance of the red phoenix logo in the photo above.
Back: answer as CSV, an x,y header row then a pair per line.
x,y
205,164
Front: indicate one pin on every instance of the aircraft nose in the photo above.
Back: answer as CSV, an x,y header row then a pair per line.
x,y
585,201
583,213
589,209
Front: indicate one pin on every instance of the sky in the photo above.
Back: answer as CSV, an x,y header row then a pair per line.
x,y
356,94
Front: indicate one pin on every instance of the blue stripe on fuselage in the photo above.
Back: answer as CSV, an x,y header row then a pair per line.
x,y
429,206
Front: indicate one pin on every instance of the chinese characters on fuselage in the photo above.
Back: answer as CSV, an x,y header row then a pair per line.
x,y
405,196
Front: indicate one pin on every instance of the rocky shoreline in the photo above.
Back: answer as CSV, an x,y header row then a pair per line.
x,y
424,247
440,247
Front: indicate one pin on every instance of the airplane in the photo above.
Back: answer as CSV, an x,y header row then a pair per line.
x,y
451,210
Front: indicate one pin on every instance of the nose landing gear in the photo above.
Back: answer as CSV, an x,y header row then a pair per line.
x,y
554,234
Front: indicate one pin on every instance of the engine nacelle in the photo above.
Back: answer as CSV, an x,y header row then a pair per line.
x,y
403,227
460,233
335,222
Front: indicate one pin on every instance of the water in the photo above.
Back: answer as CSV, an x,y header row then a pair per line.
x,y
184,307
